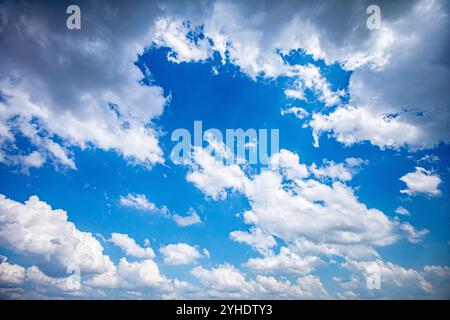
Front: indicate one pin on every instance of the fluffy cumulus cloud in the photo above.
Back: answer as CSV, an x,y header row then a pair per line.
x,y
395,282
130,247
224,277
289,165
142,273
256,238
421,181
214,177
10,274
337,171
286,262
14,276
34,229
402,101
133,275
180,253
47,97
308,77
315,219
227,281
397,86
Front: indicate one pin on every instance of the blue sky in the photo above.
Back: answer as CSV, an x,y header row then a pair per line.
x,y
317,232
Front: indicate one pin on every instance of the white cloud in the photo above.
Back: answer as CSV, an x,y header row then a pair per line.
x,y
396,282
402,211
38,278
308,77
294,94
421,181
350,125
332,170
430,158
256,238
180,253
286,205
413,235
34,229
130,247
173,34
141,273
136,275
188,220
288,163
140,202
59,89
316,211
286,262
407,52
11,274
296,111
355,162
213,177
306,287
31,160
226,281
224,277
37,282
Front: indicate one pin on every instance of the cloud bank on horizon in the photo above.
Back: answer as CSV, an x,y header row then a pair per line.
x,y
92,206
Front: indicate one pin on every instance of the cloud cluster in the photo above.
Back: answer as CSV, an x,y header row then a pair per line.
x,y
63,89
396,282
397,85
227,281
34,229
316,220
285,203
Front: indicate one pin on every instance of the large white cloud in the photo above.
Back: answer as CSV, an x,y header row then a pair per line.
x,y
227,281
286,262
284,203
213,177
403,102
396,282
11,274
61,89
397,88
256,238
34,229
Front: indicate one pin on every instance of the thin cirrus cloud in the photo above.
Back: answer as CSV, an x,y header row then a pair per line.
x,y
141,203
